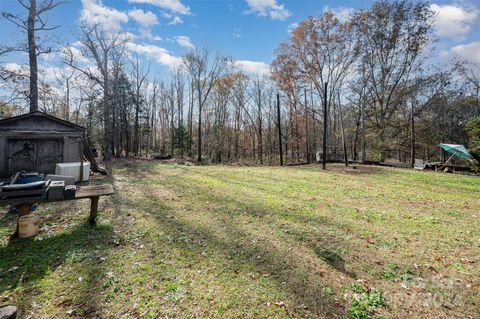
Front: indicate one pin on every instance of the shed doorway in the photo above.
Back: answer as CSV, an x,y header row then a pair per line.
x,y
39,155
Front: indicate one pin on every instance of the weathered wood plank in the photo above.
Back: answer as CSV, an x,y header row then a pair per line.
x,y
93,191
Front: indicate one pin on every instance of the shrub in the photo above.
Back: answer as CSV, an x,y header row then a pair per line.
x,y
365,302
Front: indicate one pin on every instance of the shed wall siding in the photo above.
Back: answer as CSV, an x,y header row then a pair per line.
x,y
36,124
71,150
3,148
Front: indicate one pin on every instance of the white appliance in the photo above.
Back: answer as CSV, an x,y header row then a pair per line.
x,y
73,170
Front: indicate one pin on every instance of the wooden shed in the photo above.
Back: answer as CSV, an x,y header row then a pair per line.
x,y
36,142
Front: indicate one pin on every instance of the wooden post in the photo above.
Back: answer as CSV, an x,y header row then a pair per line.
x,y
24,209
324,163
93,210
279,130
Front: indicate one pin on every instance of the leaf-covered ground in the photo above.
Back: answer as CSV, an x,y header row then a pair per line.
x,y
179,241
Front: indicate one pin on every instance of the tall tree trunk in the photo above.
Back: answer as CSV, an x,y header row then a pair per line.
x,y
279,125
190,122
67,102
236,132
172,129
89,122
307,136
334,130
297,133
153,118
355,137
325,122
106,122
412,128
136,133
344,142
362,130
290,137
127,135
199,139
114,128
260,137
32,56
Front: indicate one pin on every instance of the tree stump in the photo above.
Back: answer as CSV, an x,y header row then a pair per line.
x,y
23,209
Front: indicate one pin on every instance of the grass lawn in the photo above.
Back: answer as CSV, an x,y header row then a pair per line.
x,y
179,241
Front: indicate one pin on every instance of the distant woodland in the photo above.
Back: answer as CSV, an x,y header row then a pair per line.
x,y
367,84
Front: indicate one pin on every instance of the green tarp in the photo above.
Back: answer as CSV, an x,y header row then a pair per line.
x,y
457,150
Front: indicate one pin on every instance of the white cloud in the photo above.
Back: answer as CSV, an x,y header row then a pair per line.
x,y
253,67
50,73
292,26
268,8
77,44
147,33
342,13
175,20
145,19
160,55
185,42
126,36
171,5
469,52
452,20
76,54
18,69
94,12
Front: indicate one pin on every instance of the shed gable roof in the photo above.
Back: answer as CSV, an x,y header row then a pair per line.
x,y
36,122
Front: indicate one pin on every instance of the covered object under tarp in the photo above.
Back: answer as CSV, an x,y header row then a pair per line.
x,y
457,150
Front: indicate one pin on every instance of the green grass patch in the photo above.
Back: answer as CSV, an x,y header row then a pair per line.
x,y
205,241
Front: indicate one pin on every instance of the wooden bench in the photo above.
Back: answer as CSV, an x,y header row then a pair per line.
x,y
93,192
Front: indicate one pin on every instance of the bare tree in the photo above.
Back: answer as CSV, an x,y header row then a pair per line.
x,y
139,76
393,36
33,23
64,79
258,85
100,46
424,90
320,50
471,77
204,72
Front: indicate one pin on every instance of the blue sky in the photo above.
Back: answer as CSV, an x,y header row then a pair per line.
x,y
247,30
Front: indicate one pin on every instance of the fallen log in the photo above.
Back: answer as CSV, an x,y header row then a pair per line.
x,y
159,156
